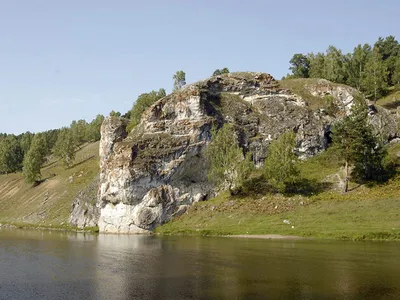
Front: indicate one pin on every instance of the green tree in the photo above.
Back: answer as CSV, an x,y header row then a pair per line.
x,y
281,163
317,62
34,159
227,165
93,129
78,129
357,145
356,65
11,155
115,113
300,66
65,147
375,73
220,72
396,73
143,102
179,80
25,141
334,65
51,138
388,49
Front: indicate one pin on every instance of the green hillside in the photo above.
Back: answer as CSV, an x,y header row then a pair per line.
x,y
47,204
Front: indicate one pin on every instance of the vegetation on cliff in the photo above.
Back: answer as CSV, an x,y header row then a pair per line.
x,y
227,165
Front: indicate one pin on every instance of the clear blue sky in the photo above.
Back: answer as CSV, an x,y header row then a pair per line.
x,y
67,60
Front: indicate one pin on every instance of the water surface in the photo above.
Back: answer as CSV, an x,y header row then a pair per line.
x,y
59,265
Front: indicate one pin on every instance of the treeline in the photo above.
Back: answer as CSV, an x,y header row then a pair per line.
x,y
371,69
27,152
13,148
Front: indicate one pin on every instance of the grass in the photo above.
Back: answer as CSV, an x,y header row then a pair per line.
x,y
365,213
391,101
358,215
298,86
48,204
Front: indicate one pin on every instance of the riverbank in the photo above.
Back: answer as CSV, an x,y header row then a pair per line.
x,y
64,227
365,213
266,237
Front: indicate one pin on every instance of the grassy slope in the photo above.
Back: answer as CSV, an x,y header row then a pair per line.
x,y
49,203
297,86
391,101
363,213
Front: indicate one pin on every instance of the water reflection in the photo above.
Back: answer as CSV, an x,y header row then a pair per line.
x,y
54,265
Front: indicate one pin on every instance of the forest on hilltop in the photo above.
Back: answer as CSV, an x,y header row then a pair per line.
x,y
374,70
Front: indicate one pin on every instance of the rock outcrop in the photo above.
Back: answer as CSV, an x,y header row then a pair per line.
x,y
157,170
85,212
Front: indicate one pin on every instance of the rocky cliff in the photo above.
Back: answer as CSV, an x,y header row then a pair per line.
x,y
158,169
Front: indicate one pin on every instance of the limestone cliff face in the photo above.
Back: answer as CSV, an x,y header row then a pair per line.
x,y
157,170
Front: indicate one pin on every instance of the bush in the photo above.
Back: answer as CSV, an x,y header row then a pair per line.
x,y
280,164
228,167
143,102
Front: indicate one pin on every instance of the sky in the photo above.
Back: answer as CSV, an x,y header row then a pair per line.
x,y
68,60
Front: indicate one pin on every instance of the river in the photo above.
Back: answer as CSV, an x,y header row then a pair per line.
x,y
59,265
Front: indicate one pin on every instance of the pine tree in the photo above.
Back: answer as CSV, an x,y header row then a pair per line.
x,y
358,146
280,164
